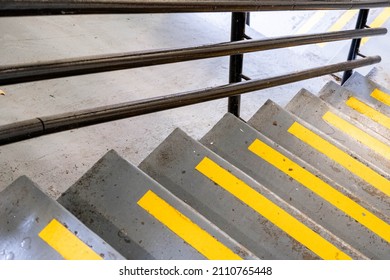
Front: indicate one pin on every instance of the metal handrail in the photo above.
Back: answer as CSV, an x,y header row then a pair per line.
x,y
60,7
70,67
46,125
20,73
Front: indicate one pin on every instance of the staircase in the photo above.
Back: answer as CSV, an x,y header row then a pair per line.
x,y
308,181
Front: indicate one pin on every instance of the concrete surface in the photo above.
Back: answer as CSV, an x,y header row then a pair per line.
x,y
56,161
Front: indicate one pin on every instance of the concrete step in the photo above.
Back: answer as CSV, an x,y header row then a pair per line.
x,y
337,96
35,227
330,205
141,219
318,149
239,205
380,77
368,92
352,135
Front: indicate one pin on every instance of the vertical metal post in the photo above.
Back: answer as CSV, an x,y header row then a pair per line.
x,y
236,61
355,45
248,19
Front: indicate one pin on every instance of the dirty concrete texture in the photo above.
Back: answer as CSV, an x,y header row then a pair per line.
x,y
57,161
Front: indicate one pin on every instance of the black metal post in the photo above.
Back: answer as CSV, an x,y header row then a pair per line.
x,y
355,45
236,61
248,19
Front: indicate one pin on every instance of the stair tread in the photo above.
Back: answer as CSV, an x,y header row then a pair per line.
x,y
299,184
28,214
117,200
279,122
363,88
380,78
359,140
207,182
336,96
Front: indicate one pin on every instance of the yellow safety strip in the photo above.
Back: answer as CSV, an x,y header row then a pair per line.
x,y
341,22
322,189
342,158
279,217
378,22
68,245
313,20
358,134
368,111
381,96
181,225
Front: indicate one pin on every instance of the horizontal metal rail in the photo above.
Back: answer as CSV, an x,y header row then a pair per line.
x,y
86,65
60,7
45,125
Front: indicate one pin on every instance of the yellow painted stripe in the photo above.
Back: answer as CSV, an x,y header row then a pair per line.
x,y
378,22
279,217
381,96
311,22
342,158
68,245
181,225
322,189
368,111
358,134
341,22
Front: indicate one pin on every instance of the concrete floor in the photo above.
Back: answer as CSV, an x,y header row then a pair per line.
x,y
56,161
